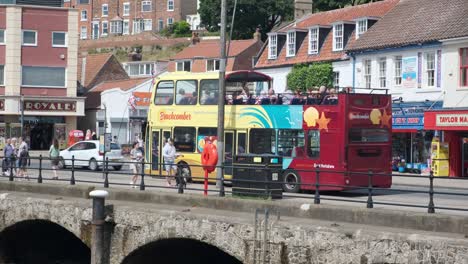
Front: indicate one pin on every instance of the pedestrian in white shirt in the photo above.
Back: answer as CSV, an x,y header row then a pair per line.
x,y
169,155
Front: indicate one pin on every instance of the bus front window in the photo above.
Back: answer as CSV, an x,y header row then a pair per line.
x,y
164,93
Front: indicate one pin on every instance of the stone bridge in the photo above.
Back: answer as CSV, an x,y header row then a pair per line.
x,y
41,223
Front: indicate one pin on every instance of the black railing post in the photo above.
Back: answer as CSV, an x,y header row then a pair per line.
x,y
39,178
142,183
72,179
221,188
370,202
317,186
267,187
11,177
430,208
180,186
106,173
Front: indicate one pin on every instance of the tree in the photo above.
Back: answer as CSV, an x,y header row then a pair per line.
x,y
265,14
325,5
178,29
304,77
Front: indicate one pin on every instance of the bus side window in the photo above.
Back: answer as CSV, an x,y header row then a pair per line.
x,y
184,139
262,141
313,139
187,92
209,92
203,133
291,142
241,143
164,93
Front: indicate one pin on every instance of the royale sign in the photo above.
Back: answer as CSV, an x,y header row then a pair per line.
x,y
452,120
50,106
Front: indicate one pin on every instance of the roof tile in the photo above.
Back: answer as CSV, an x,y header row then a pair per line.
x,y
211,49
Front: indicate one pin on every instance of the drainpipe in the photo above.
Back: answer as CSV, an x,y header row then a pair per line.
x,y
354,71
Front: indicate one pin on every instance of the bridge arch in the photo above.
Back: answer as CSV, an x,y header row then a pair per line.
x,y
179,251
41,241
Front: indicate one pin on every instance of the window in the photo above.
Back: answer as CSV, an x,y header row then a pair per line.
x,y
59,39
43,76
184,139
273,46
361,27
84,32
160,24
209,92
164,93
126,9
170,21
291,142
148,25
2,36
398,65
170,5
464,67
212,65
138,26
116,27
313,40
262,141
336,79
186,92
29,38
313,139
2,74
126,27
291,40
105,28
383,72
241,143
84,15
146,6
83,2
358,135
184,66
368,73
105,10
139,69
338,37
430,69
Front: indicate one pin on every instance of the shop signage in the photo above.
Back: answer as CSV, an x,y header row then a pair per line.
x,y
142,98
50,106
451,119
174,116
408,120
2,105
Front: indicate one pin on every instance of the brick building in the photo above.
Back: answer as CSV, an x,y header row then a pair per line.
x,y
38,71
101,18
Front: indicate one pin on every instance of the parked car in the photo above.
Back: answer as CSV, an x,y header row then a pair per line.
x,y
87,154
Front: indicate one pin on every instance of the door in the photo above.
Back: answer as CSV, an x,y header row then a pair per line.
x,y
228,151
95,30
155,151
464,157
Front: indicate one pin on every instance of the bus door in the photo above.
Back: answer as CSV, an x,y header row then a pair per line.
x,y
229,147
158,140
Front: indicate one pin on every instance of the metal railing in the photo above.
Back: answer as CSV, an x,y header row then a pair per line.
x,y
263,184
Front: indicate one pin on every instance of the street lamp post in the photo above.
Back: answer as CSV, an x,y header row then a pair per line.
x,y
22,114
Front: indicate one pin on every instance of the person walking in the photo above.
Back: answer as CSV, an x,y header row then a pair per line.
x,y
169,155
88,135
54,153
23,155
8,152
137,157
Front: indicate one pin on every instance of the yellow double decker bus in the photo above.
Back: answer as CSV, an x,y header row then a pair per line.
x,y
184,107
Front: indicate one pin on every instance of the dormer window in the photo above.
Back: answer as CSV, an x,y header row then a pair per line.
x,y
313,40
291,41
361,27
272,46
338,36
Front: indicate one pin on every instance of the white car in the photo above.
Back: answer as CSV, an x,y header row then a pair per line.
x,y
87,154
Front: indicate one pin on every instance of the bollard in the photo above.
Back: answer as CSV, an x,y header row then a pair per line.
x,y
222,193
39,178
97,243
180,186
430,207
142,183
72,179
106,173
267,189
370,203
11,177
317,185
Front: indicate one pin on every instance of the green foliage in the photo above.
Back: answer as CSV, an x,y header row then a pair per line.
x,y
325,5
177,30
303,77
265,14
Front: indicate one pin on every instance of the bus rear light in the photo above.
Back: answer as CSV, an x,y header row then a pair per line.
x,y
101,153
347,181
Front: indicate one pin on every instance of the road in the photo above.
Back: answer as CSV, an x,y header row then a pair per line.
x,y
404,190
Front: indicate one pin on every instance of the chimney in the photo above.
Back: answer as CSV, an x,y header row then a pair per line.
x,y
302,8
195,38
257,36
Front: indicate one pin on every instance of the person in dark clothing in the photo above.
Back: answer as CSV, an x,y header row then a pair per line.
x,y
94,137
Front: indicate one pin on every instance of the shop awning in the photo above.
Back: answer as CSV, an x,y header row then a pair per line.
x,y
446,119
409,116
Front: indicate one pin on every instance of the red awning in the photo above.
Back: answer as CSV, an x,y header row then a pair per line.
x,y
446,120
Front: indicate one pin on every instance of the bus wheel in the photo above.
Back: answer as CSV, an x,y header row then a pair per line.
x,y
292,181
185,171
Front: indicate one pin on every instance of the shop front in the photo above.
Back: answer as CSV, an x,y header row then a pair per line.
x,y
411,141
453,127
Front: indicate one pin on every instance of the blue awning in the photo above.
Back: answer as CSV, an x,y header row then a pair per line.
x,y
409,116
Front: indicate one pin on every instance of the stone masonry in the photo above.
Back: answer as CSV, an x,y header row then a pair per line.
x,y
292,240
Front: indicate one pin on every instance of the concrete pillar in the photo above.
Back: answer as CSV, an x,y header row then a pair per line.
x,y
13,50
99,215
72,52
